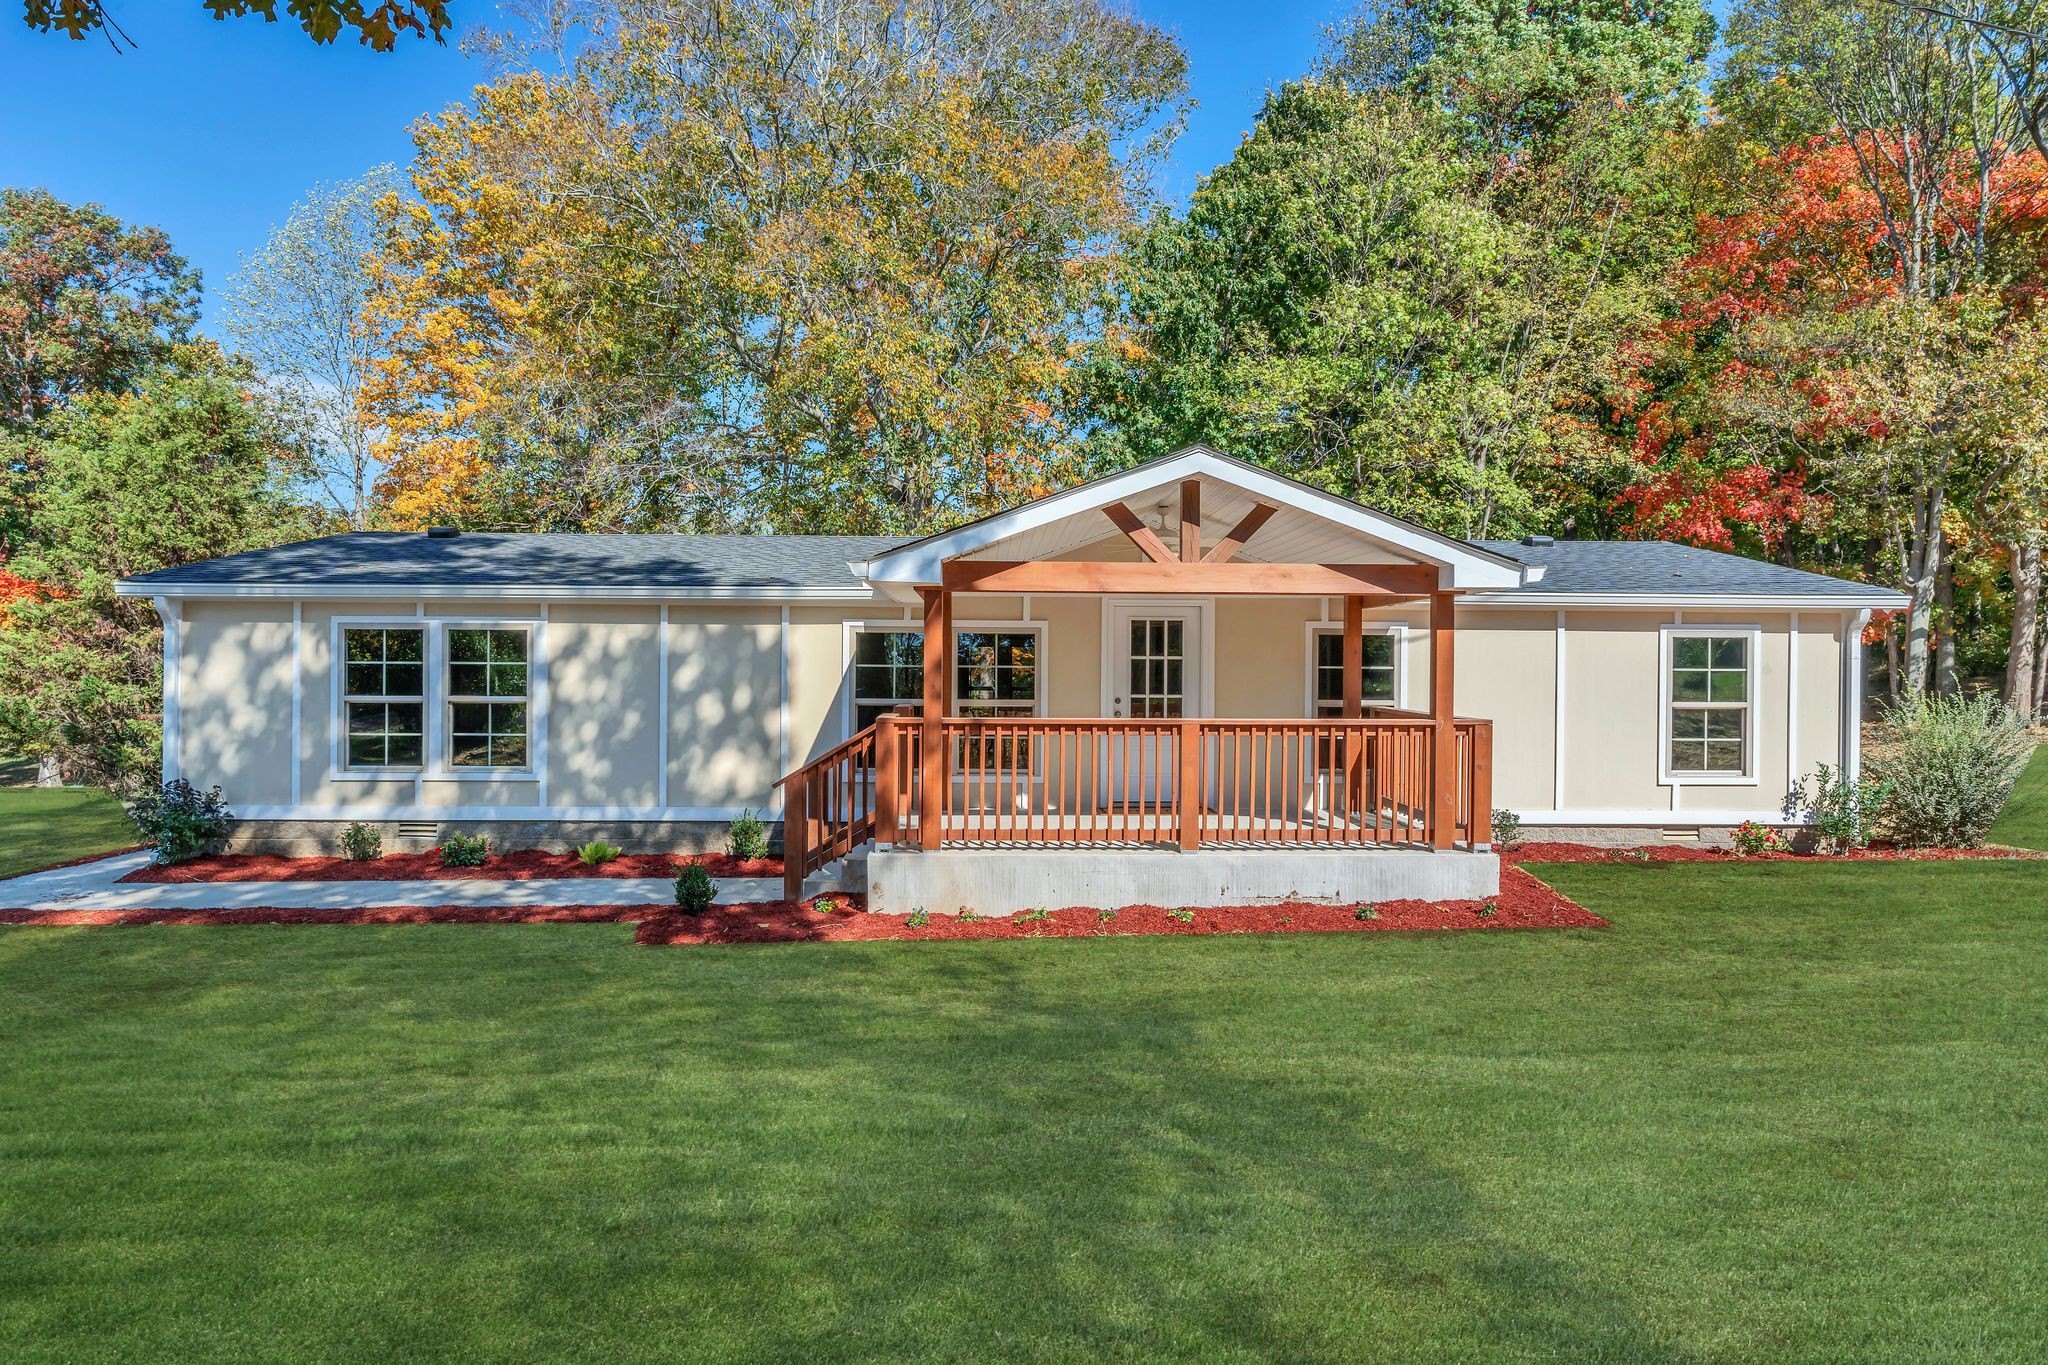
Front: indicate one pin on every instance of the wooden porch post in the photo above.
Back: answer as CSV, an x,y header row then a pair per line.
x,y
888,813
1354,702
1191,521
1443,635
934,775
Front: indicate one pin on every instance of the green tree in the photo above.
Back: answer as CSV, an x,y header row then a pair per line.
x,y
190,464
376,23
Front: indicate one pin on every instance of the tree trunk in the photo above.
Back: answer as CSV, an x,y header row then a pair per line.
x,y
1945,680
1926,564
2020,664
1891,661
48,772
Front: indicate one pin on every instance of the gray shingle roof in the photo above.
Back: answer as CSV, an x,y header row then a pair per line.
x,y
1657,568
385,559
376,559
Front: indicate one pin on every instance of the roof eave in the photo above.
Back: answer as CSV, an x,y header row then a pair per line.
x,y
509,592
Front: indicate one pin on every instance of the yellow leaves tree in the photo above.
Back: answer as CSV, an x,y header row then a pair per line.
x,y
827,267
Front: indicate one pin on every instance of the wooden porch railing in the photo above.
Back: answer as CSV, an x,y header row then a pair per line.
x,y
1088,783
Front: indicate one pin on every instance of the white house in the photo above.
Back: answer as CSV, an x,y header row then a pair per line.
x,y
1194,680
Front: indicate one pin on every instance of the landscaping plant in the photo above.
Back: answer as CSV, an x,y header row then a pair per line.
x,y
1182,914
597,853
466,850
747,838
694,890
362,843
1840,810
1752,839
180,820
1365,912
1507,828
1946,766
919,918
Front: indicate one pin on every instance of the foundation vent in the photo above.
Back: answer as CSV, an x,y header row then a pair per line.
x,y
419,829
1680,836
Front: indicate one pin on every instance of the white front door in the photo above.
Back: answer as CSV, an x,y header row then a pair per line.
x,y
1151,670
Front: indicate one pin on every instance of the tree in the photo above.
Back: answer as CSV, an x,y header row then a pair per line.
x,y
821,267
191,464
377,25
1408,279
296,309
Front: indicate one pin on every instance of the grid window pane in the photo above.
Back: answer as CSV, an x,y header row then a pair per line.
x,y
1376,671
382,713
487,686
995,671
1709,722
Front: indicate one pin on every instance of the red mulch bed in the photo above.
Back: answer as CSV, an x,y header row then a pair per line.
x,y
524,866
1680,853
1523,903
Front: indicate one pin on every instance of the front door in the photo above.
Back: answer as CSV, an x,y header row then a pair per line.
x,y
1152,671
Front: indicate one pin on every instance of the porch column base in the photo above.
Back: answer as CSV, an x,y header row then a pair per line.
x,y
1006,881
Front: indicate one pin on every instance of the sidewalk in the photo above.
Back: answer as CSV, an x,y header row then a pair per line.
x,y
98,886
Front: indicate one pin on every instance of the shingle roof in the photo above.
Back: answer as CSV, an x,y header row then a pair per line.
x,y
800,564
1657,568
375,559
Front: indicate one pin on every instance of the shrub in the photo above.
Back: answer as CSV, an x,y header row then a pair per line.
x,y
597,853
1840,809
1752,839
361,843
919,918
1038,916
180,820
1946,766
1507,828
694,890
466,850
1181,913
967,915
1366,912
747,838
1487,910
1104,916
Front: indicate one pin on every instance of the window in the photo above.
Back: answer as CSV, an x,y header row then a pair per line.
x,y
995,673
487,697
1709,712
1382,655
383,696
998,672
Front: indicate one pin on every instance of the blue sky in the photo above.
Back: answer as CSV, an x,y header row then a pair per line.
x,y
211,130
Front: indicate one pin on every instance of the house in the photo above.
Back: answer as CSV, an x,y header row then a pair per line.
x,y
1194,681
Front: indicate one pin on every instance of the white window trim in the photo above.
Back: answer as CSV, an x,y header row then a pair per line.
x,y
1749,776
436,702
850,629
1397,629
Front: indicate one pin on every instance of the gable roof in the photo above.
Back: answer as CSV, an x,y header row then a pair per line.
x,y
1463,564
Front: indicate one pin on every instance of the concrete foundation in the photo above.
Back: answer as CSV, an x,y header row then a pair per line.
x,y
316,838
994,882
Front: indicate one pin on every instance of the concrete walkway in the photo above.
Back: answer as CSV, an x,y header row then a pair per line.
x,y
98,886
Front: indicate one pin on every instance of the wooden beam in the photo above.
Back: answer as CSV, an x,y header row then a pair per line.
x,y
1354,657
1227,548
1190,521
1141,535
935,781
1296,580
1443,637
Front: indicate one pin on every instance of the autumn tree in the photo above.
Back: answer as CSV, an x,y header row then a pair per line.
x,y
821,267
296,310
377,25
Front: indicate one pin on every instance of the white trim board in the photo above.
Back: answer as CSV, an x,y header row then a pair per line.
x,y
1753,721
416,811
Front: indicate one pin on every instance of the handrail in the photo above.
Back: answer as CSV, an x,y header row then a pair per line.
x,y
1094,782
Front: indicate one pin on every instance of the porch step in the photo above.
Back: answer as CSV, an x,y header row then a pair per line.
x,y
848,876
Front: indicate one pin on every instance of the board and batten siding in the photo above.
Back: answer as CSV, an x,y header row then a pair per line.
x,y
754,689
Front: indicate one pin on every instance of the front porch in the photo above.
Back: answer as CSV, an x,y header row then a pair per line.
x,y
1011,807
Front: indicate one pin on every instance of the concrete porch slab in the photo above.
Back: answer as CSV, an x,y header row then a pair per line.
x,y
1004,882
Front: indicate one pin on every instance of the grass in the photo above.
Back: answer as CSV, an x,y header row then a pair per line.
x,y
2024,821
44,826
1778,1112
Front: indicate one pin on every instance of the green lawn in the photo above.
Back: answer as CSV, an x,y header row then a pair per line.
x,y
2024,821
44,826
1777,1112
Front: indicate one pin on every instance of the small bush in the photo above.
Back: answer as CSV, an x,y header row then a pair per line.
x,y
747,838
1945,766
361,843
1181,913
968,915
1038,916
919,918
597,853
1507,828
1366,912
1487,910
181,821
1105,916
694,890
466,850
1752,839
1841,810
